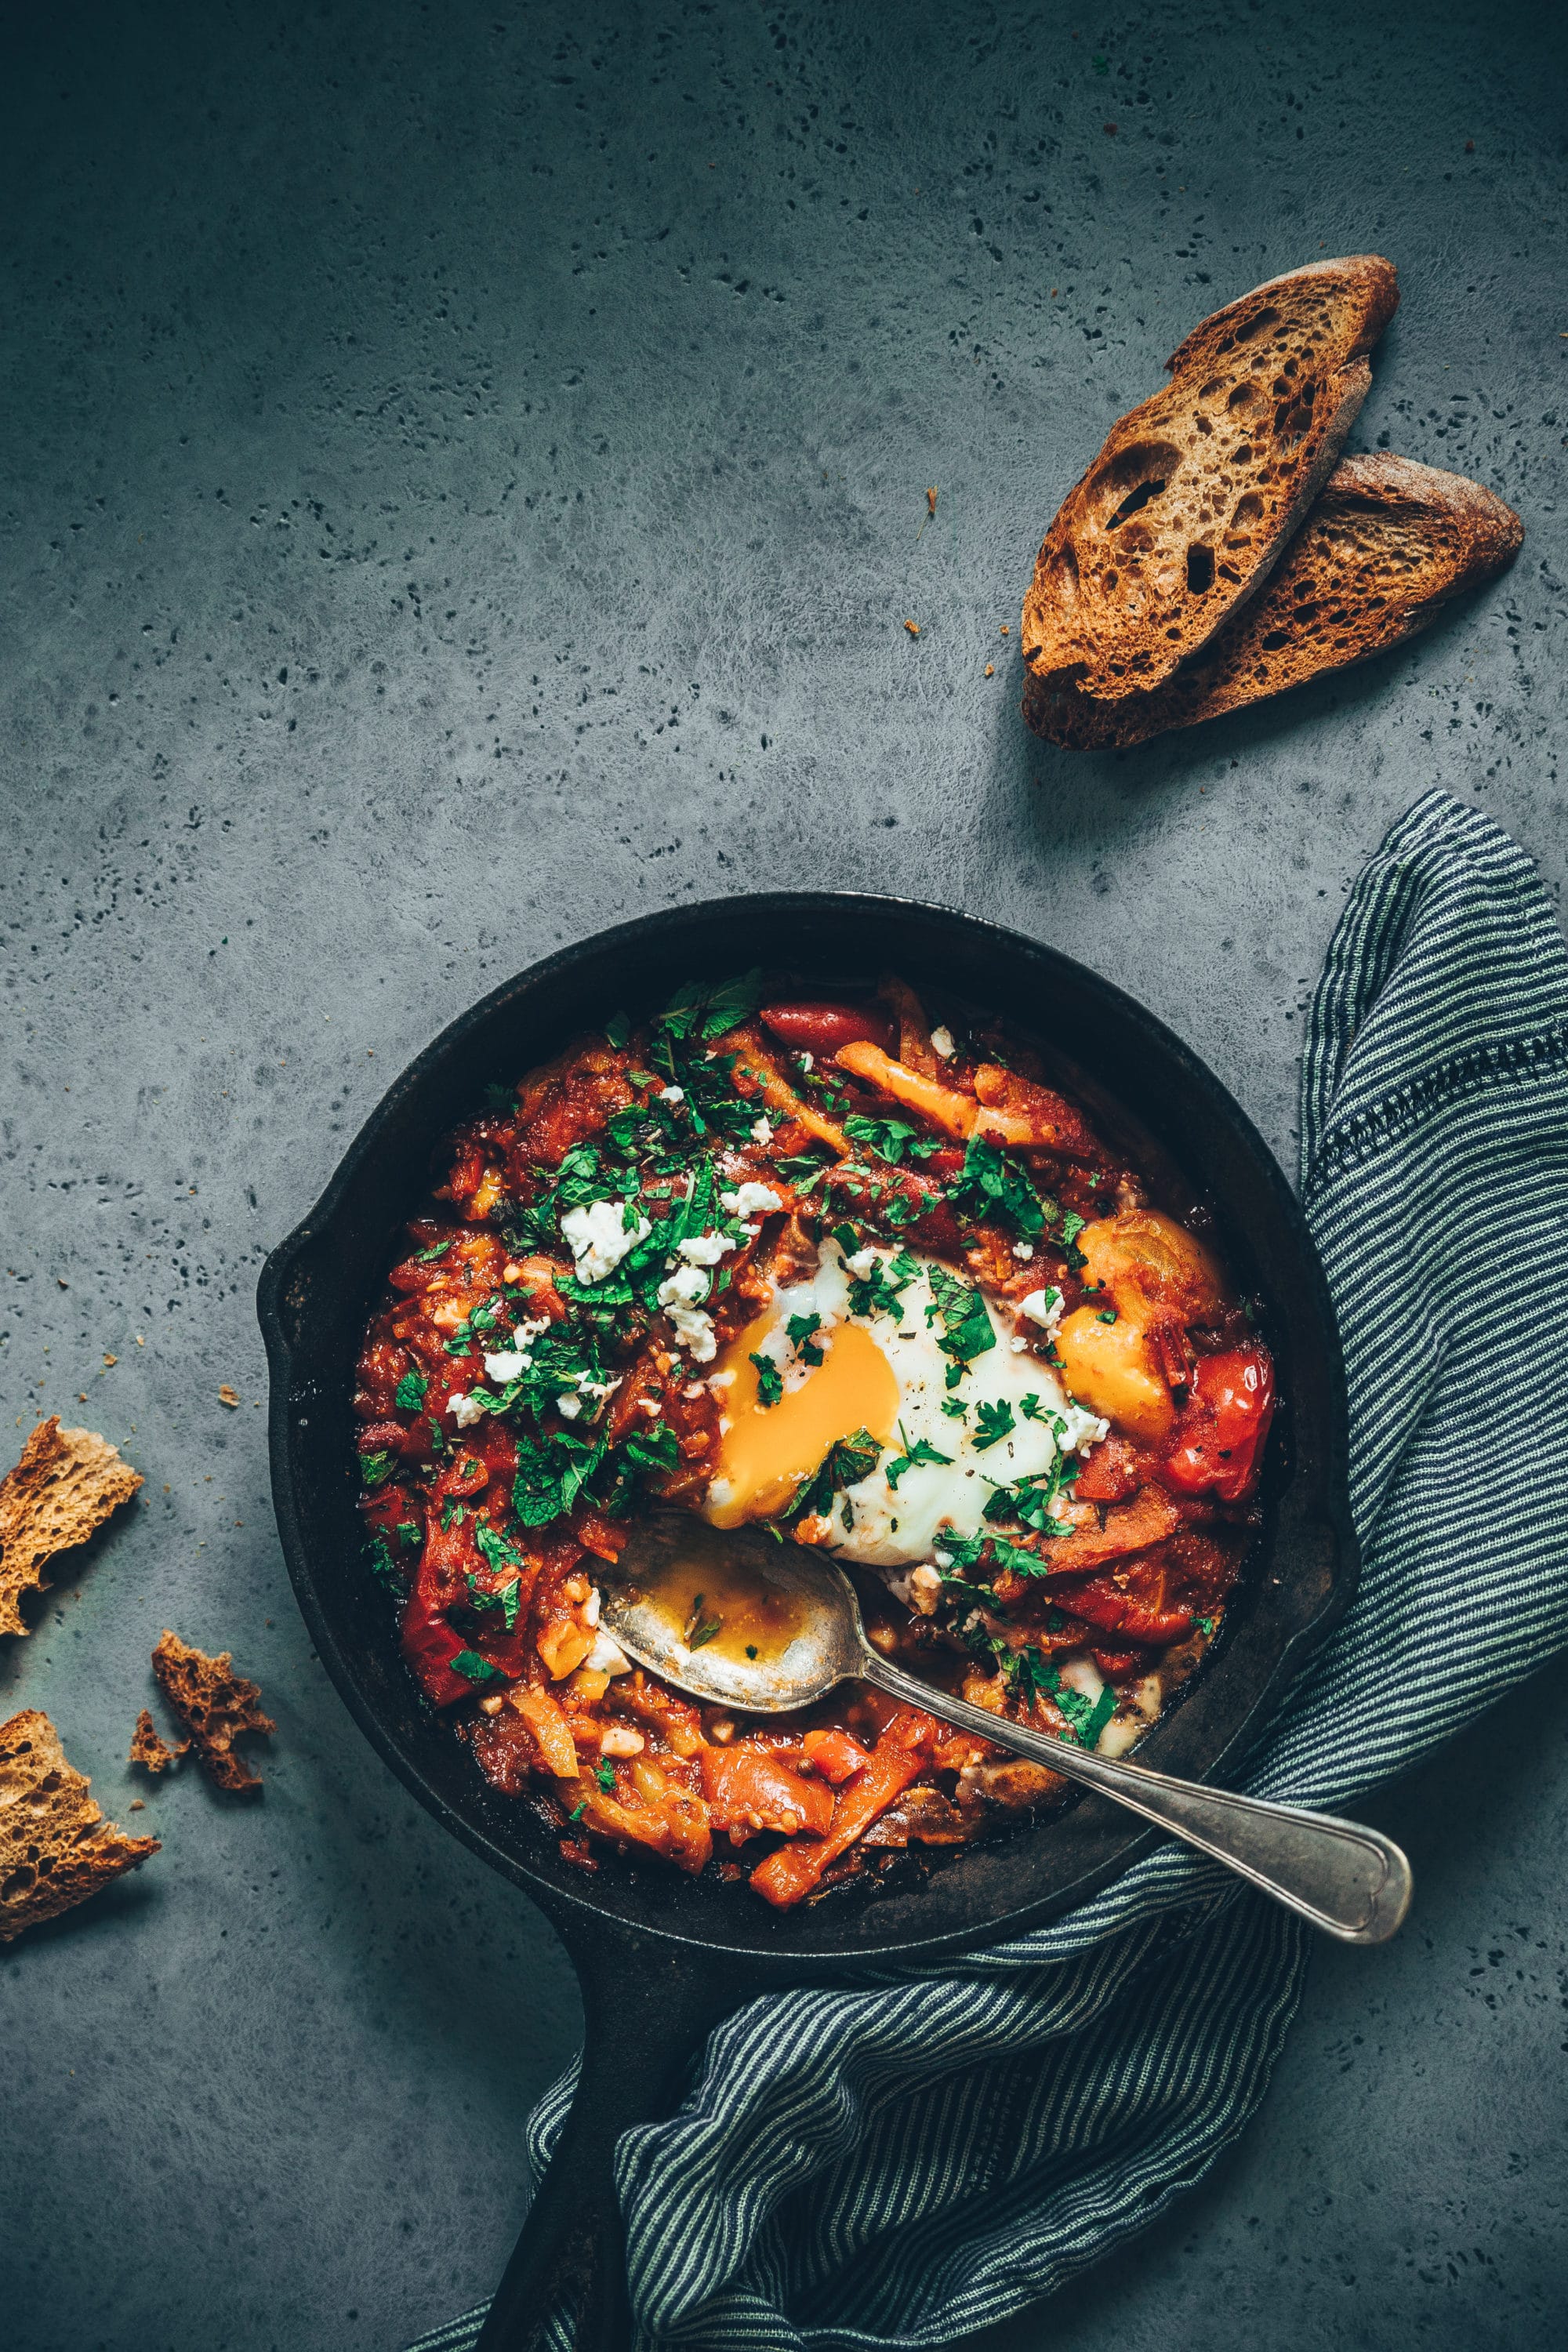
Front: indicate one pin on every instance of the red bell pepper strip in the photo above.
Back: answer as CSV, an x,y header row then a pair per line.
x,y
1101,1602
821,1029
1220,1434
747,1788
834,1754
900,1755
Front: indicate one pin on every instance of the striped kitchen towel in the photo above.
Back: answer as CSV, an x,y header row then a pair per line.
x,y
903,2164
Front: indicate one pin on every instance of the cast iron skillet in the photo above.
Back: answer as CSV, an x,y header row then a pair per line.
x,y
662,1959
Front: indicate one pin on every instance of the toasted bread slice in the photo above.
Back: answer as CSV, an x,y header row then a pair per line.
x,y
147,1750
1387,547
215,1705
65,1485
1195,492
55,1848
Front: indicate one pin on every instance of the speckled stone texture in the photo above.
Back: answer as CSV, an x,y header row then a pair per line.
x,y
466,483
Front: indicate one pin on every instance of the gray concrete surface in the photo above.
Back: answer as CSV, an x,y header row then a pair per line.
x,y
465,478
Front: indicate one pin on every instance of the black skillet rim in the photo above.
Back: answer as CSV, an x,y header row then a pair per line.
x,y
1316,1523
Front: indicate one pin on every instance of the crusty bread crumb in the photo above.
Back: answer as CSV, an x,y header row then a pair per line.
x,y
1196,491
215,1705
148,1750
65,1485
55,1848
1386,550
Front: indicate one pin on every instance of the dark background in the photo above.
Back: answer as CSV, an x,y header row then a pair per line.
x,y
464,477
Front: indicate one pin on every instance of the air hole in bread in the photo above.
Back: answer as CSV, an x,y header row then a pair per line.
x,y
1256,325
1246,396
1274,640
1200,570
1127,482
1134,503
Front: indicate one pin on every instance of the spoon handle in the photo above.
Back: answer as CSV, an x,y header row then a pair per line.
x,y
1350,1881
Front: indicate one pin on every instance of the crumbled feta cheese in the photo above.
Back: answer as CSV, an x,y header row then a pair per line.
x,y
693,1331
925,1590
752,1201
569,1406
1026,1250
808,1061
1044,1307
599,1237
592,1606
511,1364
464,1410
608,1657
862,1261
763,1132
706,1249
1080,1429
673,1094
1019,1347
941,1043
685,1286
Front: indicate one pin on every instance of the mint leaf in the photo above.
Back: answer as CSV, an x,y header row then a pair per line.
x,y
473,1668
409,1394
709,1010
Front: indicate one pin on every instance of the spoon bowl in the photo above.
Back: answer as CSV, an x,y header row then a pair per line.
x,y
733,1616
741,1620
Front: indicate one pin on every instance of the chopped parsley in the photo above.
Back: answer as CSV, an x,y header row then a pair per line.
x,y
427,1257
375,1469
845,1463
911,1456
892,1140
993,1182
770,1380
409,1532
381,1564
800,1331
996,1424
966,1329
605,1776
1086,1717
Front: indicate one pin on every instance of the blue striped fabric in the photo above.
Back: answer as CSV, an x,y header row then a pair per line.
x,y
897,2166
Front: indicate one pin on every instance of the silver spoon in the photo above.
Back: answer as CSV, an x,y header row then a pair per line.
x,y
737,1619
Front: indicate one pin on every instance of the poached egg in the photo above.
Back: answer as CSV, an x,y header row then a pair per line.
x,y
864,1354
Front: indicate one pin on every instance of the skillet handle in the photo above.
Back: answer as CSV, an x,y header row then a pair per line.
x,y
647,2008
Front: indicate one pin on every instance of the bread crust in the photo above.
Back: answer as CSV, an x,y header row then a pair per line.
x,y
55,1848
1387,547
1197,491
68,1481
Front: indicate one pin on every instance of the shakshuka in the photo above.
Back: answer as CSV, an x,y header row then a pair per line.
x,y
853,1268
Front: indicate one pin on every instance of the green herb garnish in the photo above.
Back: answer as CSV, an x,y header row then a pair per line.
x,y
473,1668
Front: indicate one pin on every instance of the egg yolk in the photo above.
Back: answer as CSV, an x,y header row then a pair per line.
x,y
767,1450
